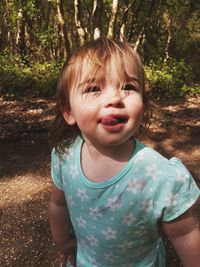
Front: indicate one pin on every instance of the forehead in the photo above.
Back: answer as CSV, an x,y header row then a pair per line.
x,y
119,67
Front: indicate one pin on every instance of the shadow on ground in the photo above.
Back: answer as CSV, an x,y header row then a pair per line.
x,y
19,158
25,172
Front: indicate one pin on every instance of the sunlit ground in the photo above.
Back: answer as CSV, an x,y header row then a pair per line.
x,y
25,172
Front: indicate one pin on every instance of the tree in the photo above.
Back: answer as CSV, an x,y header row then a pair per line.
x,y
79,22
136,10
51,29
175,17
123,25
20,38
3,26
65,43
113,18
96,18
140,39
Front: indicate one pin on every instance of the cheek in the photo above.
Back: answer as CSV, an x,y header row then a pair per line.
x,y
136,111
140,113
84,115
141,108
136,105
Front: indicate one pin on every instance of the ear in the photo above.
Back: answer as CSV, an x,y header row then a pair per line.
x,y
69,117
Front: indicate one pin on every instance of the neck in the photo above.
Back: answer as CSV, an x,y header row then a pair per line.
x,y
120,152
100,164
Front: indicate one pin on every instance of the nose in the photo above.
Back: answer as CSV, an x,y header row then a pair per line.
x,y
113,99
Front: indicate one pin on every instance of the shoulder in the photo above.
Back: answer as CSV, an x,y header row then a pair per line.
x,y
173,188
67,154
147,156
159,167
62,163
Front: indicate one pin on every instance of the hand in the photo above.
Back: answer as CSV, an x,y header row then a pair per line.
x,y
68,253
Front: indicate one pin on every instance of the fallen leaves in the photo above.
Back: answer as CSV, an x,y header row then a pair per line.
x,y
25,172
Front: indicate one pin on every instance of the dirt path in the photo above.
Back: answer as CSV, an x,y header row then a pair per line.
x,y
25,178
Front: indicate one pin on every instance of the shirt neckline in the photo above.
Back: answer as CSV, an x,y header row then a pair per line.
x,y
78,147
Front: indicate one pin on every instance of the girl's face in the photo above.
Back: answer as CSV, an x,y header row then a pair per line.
x,y
107,111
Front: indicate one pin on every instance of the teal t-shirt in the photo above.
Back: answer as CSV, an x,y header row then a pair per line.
x,y
116,221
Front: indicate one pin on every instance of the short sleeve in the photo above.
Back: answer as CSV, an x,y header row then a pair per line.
x,y
176,193
56,170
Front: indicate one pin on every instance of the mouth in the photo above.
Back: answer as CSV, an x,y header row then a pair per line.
x,y
122,119
112,120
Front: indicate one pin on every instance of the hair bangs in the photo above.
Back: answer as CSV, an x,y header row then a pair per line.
x,y
89,65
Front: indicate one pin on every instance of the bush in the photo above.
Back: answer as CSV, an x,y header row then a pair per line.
x,y
169,79
193,89
18,77
46,75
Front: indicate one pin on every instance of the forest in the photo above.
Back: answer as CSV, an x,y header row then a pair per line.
x,y
37,36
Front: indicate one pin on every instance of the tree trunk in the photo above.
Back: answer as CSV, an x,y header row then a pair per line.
x,y
20,38
47,10
141,35
135,14
169,37
96,18
78,21
112,24
124,20
63,30
3,26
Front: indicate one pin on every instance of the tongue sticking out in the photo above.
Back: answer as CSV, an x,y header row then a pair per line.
x,y
109,120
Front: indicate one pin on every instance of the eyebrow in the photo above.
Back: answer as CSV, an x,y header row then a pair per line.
x,y
94,80
88,81
132,78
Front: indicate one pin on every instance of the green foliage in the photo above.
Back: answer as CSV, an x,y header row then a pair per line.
x,y
153,21
46,75
169,79
194,89
17,77
30,8
48,38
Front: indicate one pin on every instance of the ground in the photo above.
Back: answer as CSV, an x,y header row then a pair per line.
x,y
25,177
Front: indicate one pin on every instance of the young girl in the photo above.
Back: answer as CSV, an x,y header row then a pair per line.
x,y
111,190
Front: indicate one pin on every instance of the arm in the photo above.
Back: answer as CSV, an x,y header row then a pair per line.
x,y
61,225
184,235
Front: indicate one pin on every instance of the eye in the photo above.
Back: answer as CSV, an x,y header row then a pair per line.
x,y
92,89
128,87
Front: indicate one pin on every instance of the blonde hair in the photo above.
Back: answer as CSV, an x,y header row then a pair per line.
x,y
98,53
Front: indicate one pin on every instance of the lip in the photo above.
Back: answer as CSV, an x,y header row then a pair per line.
x,y
113,122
